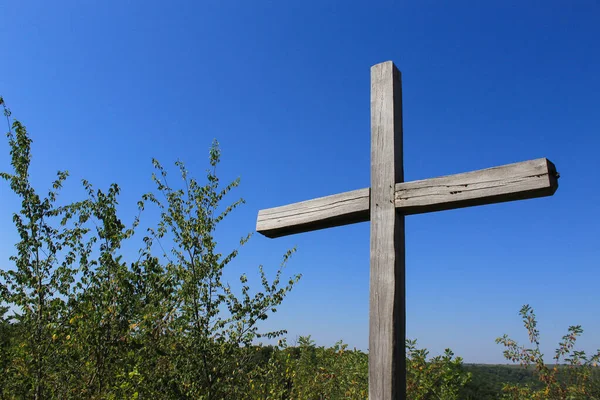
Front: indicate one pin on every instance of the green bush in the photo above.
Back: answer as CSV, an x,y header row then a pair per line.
x,y
79,321
85,323
578,378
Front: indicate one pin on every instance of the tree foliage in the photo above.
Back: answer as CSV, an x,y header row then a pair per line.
x,y
80,317
576,379
80,321
441,377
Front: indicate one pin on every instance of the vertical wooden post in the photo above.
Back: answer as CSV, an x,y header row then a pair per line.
x,y
387,321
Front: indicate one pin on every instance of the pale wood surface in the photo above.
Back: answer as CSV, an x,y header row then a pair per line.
x,y
324,212
523,180
387,379
386,203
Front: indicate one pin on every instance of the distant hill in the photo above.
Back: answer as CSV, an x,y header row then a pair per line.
x,y
488,379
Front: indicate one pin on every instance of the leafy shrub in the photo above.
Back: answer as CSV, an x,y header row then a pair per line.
x,y
85,323
578,378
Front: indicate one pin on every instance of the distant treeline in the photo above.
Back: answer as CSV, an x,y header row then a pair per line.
x,y
487,380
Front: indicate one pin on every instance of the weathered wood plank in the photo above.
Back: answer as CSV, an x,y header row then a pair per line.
x,y
324,212
386,204
387,379
523,180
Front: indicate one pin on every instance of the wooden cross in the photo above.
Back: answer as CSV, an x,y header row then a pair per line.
x,y
385,204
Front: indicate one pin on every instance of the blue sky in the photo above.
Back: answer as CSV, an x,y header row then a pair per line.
x,y
284,86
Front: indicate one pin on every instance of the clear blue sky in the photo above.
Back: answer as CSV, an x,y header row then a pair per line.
x,y
284,86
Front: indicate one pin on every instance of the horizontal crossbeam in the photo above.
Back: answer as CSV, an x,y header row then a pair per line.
x,y
523,180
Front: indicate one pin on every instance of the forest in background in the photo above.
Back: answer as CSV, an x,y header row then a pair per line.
x,y
79,320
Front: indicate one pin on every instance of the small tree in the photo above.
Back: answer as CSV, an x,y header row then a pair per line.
x,y
577,379
210,327
84,323
105,305
40,284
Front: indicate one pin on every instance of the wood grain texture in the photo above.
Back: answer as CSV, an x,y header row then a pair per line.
x,y
324,212
387,365
385,204
524,180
